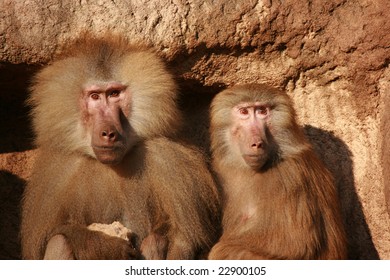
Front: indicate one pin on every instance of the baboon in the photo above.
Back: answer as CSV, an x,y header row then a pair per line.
x,y
279,200
104,114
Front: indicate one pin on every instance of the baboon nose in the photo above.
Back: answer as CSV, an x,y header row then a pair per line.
x,y
109,135
257,145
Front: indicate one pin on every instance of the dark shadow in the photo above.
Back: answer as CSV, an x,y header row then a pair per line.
x,y
194,102
11,190
14,121
16,136
338,158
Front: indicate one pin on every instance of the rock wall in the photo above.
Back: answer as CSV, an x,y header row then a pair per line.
x,y
331,56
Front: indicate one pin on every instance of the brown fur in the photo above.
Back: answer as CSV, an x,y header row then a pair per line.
x,y
161,190
289,208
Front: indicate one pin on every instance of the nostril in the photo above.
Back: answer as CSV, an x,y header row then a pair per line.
x,y
257,145
110,135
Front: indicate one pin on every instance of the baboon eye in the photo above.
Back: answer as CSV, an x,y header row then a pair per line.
x,y
94,96
243,111
115,93
262,110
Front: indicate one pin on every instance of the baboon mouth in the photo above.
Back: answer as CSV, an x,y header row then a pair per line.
x,y
115,146
254,160
105,148
112,154
251,157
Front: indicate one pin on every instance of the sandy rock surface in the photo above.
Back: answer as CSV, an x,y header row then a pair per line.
x,y
332,57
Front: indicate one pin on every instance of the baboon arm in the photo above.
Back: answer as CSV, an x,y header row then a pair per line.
x,y
180,249
229,251
78,242
154,247
58,248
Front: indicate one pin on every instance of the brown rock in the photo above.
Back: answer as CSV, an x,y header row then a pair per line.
x,y
331,56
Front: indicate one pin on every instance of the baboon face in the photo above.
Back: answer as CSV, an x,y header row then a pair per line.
x,y
106,108
253,126
101,98
249,132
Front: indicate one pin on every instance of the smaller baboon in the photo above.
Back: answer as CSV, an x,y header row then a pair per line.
x,y
104,114
279,200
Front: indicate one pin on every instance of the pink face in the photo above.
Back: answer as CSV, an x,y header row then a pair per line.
x,y
106,109
249,132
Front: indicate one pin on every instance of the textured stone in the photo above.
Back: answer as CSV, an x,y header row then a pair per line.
x,y
332,56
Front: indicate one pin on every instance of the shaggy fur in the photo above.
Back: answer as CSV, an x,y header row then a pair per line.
x,y
161,189
289,208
